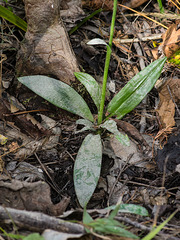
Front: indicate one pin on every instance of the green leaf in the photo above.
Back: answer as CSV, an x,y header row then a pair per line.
x,y
109,226
131,208
34,236
91,85
11,17
58,93
97,41
114,212
88,125
11,235
118,231
87,168
161,8
136,89
85,20
111,126
86,217
155,231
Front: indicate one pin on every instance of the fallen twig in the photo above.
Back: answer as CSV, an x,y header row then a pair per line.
x,y
36,221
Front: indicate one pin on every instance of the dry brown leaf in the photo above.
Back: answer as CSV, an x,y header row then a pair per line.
x,y
171,42
166,112
108,4
133,3
13,146
166,108
29,196
171,39
96,4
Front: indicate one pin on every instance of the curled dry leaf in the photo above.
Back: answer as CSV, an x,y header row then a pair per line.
x,y
168,94
171,39
170,45
71,10
15,194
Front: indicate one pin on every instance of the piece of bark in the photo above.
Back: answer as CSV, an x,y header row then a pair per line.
x,y
37,222
46,49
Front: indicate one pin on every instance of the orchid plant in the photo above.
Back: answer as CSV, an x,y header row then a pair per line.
x,y
87,166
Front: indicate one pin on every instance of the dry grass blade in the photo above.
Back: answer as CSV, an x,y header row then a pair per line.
x,y
144,15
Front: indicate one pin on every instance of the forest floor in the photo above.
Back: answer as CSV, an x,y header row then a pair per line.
x,y
37,158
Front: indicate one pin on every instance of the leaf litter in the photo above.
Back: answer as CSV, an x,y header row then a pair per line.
x,y
134,180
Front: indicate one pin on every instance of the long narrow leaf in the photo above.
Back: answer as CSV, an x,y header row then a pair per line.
x,y
58,93
156,230
86,217
109,226
84,21
91,85
130,208
114,212
11,17
87,168
136,89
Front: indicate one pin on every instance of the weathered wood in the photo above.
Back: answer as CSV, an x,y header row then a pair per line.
x,y
38,222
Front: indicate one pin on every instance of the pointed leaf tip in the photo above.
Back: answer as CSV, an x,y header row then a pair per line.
x,y
97,41
136,89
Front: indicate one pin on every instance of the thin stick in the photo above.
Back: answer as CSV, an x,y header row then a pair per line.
x,y
159,15
143,39
3,58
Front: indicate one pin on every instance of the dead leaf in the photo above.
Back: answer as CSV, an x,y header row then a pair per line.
x,y
24,171
170,45
108,4
166,112
133,3
96,4
120,153
131,131
25,122
3,139
29,196
51,234
13,146
166,107
171,40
